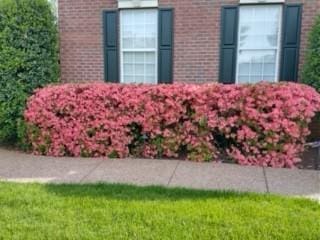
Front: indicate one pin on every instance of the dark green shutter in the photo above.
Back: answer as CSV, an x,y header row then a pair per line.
x,y
111,55
165,72
291,42
228,45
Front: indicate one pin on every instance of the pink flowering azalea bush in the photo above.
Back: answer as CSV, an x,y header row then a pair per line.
x,y
263,124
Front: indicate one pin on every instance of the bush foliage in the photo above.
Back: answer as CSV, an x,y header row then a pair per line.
x,y
311,71
29,57
263,124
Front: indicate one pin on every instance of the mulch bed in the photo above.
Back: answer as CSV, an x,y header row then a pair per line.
x,y
310,160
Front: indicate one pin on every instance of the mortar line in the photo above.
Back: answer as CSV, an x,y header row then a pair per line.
x,y
266,179
91,171
174,172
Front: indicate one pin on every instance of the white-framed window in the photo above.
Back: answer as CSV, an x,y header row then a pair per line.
x,y
138,46
259,39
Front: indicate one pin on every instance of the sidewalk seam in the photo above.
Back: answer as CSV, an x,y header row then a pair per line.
x,y
91,171
174,172
266,179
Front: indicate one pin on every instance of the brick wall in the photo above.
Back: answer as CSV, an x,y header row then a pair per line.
x,y
81,49
196,37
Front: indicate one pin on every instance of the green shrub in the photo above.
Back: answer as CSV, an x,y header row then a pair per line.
x,y
311,71
29,58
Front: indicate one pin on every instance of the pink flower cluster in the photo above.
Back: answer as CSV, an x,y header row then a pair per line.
x,y
263,124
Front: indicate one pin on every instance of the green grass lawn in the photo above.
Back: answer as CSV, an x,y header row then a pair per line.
x,y
33,211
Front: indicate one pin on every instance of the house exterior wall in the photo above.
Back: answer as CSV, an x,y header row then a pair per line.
x,y
196,37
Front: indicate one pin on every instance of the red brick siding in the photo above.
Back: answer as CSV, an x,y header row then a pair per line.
x,y
196,37
81,47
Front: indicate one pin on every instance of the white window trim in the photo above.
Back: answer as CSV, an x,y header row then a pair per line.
x,y
260,1
155,50
137,3
278,48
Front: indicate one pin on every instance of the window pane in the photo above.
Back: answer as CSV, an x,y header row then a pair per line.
x,y
139,36
244,68
150,57
268,78
128,57
127,31
149,79
127,42
128,69
256,78
258,43
244,79
269,69
138,79
150,69
270,57
128,79
149,17
256,69
139,17
139,57
139,69
127,17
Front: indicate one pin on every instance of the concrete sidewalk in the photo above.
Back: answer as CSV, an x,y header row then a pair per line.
x,y
20,167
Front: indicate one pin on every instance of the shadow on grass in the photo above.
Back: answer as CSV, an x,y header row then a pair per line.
x,y
130,192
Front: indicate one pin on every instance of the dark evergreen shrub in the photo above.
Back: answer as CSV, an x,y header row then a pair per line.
x,y
28,58
311,71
